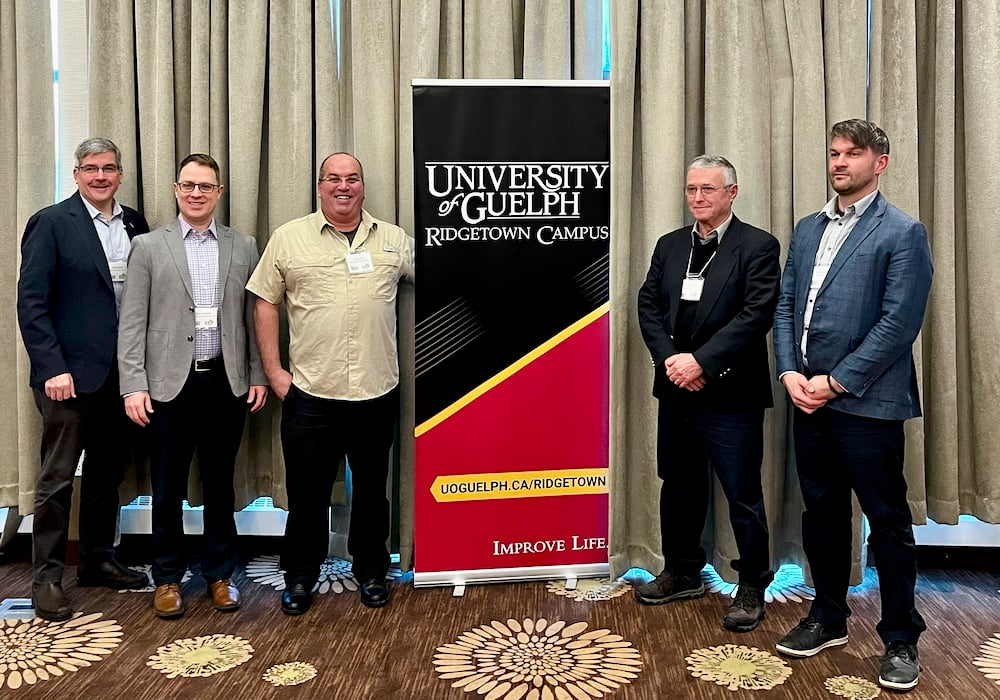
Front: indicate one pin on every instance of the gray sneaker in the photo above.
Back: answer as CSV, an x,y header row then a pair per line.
x,y
668,587
746,611
900,666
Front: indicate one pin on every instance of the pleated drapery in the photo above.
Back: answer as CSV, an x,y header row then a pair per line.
x,y
270,87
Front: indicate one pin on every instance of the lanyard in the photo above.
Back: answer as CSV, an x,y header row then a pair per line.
x,y
701,274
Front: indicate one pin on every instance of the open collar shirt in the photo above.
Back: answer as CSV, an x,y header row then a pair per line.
x,y
342,324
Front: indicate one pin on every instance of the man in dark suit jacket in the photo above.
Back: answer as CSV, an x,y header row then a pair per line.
x,y
852,302
190,369
73,257
704,311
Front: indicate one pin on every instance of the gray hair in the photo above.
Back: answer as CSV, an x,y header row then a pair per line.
x,y
705,161
93,146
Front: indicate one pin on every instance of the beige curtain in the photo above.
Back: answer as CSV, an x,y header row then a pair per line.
x,y
27,146
757,82
933,72
258,85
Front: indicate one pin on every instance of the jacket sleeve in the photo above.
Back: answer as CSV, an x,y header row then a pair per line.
x,y
785,343
133,320
37,295
652,313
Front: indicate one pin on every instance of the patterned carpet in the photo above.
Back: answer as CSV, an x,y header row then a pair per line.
x,y
532,641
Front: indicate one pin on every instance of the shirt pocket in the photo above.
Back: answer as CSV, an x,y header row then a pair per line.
x,y
384,278
312,279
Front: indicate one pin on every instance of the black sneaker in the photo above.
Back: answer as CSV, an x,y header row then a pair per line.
x,y
900,667
668,587
746,611
809,638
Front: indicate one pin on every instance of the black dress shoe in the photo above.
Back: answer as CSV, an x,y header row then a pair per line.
x,y
296,599
374,592
110,574
49,602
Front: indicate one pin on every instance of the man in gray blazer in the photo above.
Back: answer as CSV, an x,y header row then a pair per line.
x,y
852,302
190,369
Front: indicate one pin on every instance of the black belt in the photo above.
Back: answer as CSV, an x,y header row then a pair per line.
x,y
207,365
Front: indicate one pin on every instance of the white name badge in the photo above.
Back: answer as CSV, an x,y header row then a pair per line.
x,y
206,317
118,270
691,288
359,261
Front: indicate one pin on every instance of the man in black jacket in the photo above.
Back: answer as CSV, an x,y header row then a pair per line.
x,y
704,311
73,261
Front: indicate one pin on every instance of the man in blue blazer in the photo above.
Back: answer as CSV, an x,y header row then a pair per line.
x,y
852,302
73,258
704,311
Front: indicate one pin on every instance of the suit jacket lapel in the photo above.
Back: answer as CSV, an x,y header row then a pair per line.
x,y
674,267
175,244
805,254
869,220
225,257
88,234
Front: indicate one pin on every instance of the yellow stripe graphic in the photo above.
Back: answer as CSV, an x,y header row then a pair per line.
x,y
512,369
529,484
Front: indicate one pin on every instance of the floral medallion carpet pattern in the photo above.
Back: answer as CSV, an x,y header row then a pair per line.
x,y
538,659
292,673
591,589
34,651
736,666
198,657
334,574
852,687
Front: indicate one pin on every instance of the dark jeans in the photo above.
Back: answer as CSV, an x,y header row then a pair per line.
x,y
96,423
316,435
835,453
205,418
690,444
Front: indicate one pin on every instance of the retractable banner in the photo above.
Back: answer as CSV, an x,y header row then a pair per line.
x,y
513,208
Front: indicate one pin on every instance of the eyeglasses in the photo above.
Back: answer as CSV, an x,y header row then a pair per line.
x,y
94,169
706,190
336,179
203,187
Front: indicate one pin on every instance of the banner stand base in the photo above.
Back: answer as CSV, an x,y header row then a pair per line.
x,y
569,572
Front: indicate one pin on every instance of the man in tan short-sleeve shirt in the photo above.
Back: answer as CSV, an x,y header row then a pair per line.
x,y
337,271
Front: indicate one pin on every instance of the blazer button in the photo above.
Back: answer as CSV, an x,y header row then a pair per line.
x,y
190,308
190,338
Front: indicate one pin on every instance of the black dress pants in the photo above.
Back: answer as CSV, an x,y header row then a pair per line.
x,y
207,419
835,453
316,435
692,442
95,423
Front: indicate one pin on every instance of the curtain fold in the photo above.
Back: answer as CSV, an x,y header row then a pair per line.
x,y
934,63
27,145
680,72
269,88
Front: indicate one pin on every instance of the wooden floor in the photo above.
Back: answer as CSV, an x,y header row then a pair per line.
x,y
492,643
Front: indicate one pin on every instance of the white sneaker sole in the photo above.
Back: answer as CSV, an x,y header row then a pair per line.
x,y
803,653
897,686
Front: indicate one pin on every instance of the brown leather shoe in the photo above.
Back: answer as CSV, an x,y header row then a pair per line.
x,y
167,601
225,596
